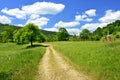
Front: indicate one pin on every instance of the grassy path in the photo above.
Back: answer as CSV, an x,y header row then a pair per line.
x,y
54,67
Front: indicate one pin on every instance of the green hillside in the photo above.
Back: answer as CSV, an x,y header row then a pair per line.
x,y
113,28
50,36
2,27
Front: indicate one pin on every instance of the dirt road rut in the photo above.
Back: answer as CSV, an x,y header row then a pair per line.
x,y
54,67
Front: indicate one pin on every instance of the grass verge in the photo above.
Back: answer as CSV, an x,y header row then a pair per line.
x,y
19,63
96,59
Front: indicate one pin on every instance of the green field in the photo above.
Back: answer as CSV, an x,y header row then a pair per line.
x,y
19,63
99,60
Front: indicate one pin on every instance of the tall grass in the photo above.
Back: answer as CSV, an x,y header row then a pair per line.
x,y
19,63
96,59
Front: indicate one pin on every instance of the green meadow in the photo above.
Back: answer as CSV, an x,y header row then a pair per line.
x,y
18,62
100,61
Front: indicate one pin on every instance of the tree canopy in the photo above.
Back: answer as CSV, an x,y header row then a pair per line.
x,y
7,34
112,28
63,35
85,34
28,33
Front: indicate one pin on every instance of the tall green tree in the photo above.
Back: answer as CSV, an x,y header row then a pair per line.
x,y
97,34
18,36
85,34
29,33
63,35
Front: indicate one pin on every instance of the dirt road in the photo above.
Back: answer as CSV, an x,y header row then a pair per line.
x,y
54,67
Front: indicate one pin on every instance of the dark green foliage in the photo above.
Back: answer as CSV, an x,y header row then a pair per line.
x,y
2,26
112,28
7,34
63,35
48,35
85,34
41,38
29,33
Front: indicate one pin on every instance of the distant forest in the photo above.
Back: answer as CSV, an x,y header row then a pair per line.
x,y
113,29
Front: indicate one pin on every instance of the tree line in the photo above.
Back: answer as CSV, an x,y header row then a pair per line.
x,y
31,33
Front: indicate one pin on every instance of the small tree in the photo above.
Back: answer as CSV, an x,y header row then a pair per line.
x,y
63,35
85,34
29,32
18,36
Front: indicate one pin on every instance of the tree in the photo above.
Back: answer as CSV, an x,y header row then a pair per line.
x,y
17,36
85,34
41,37
28,33
97,34
7,34
63,35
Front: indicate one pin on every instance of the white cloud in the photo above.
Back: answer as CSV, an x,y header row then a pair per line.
x,y
20,25
91,12
34,16
42,21
80,17
83,17
5,19
73,31
43,8
67,24
14,12
110,16
88,19
38,8
93,26
51,29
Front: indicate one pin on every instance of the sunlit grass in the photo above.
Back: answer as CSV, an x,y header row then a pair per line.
x,y
96,59
19,63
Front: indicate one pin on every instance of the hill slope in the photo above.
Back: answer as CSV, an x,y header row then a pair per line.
x,y
2,26
112,28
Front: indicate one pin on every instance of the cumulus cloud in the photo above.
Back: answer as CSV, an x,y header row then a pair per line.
x,y
34,16
110,16
20,25
93,26
73,31
51,29
91,12
80,17
5,19
38,8
86,16
42,21
88,19
14,12
67,24
43,8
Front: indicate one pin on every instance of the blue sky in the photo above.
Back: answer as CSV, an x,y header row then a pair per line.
x,y
74,15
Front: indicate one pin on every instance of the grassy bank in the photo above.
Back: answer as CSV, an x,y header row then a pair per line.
x,y
19,63
97,59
